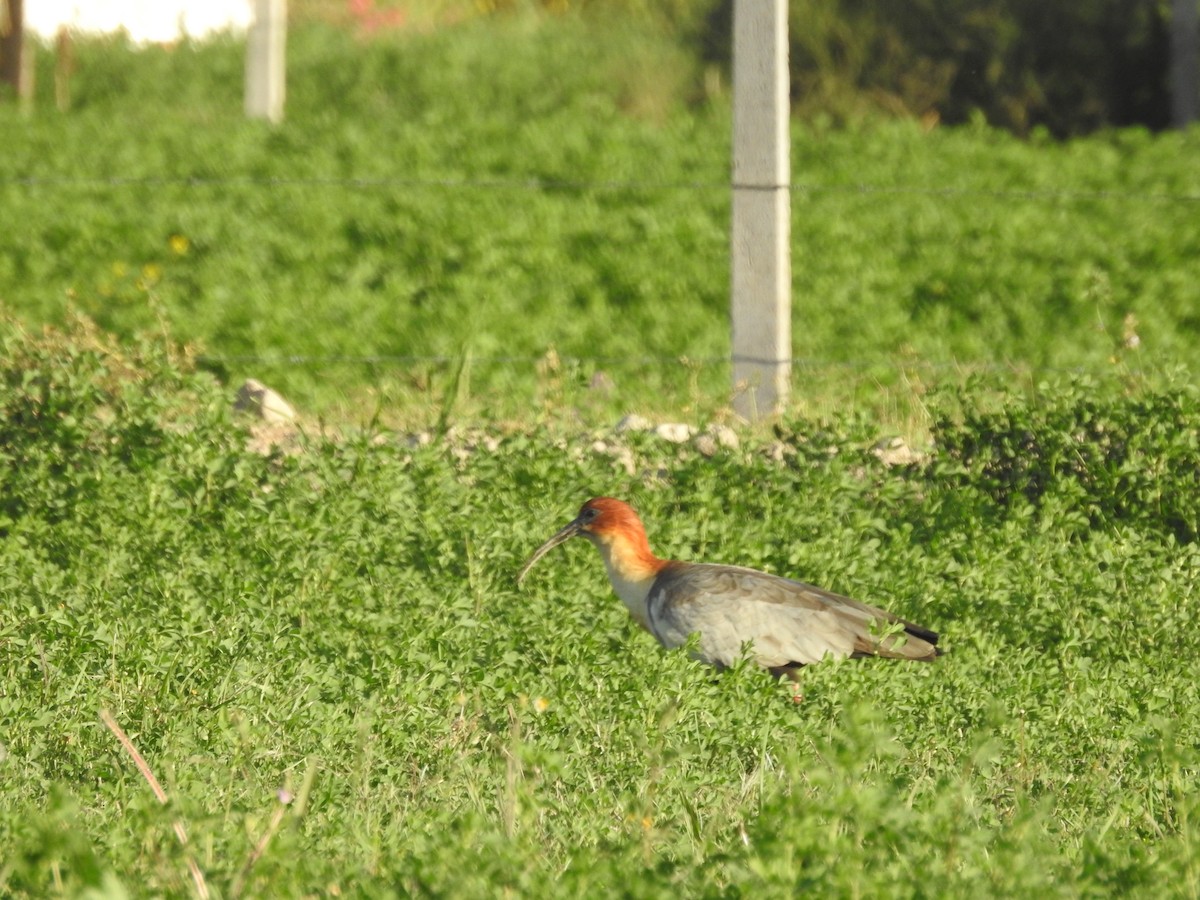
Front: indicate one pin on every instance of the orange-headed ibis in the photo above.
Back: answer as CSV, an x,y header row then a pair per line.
x,y
787,624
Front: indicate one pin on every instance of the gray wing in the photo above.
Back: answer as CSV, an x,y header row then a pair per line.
x,y
788,622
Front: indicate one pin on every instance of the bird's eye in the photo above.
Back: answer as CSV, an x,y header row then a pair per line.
x,y
590,514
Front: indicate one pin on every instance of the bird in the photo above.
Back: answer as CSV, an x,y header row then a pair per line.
x,y
785,624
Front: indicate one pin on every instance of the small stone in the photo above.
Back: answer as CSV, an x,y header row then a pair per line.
x,y
705,444
895,452
632,422
725,436
257,399
675,432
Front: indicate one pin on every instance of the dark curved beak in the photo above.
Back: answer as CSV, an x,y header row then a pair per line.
x,y
563,536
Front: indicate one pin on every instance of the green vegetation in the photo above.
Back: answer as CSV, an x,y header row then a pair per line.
x,y
1071,68
436,196
342,623
321,654
1020,64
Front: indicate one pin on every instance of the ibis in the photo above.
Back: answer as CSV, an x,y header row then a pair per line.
x,y
785,624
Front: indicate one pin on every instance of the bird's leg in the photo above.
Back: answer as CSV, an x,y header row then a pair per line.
x,y
792,674
797,691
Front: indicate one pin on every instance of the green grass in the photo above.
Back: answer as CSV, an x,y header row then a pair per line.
x,y
396,214
343,623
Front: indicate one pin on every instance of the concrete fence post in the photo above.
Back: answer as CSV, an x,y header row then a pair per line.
x,y
266,71
761,226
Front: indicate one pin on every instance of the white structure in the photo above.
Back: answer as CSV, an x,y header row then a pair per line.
x,y
761,251
146,21
266,62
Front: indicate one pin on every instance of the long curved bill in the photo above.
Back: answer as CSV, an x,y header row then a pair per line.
x,y
564,535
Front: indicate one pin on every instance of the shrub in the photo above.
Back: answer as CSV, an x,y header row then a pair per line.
x,y
76,407
1115,457
1072,68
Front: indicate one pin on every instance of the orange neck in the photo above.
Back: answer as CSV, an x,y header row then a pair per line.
x,y
628,550
631,565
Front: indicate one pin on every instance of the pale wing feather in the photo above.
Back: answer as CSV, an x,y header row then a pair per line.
x,y
787,621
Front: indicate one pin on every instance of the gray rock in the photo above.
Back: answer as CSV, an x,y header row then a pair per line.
x,y
633,422
895,452
259,400
675,432
725,436
705,444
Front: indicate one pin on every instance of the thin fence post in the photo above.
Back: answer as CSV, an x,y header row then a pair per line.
x,y
1185,65
12,39
761,227
266,78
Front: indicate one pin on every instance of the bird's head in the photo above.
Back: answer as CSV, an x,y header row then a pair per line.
x,y
603,521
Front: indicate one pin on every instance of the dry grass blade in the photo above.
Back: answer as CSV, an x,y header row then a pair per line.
x,y
286,801
259,848
113,726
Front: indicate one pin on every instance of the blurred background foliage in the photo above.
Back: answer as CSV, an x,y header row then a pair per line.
x,y
1071,68
451,168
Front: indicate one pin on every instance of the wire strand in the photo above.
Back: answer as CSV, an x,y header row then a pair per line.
x,y
547,185
803,363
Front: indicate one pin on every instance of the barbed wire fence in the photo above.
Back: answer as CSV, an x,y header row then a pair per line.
x,y
547,185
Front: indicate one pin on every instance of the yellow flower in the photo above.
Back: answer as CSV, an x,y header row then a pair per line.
x,y
541,704
179,244
151,273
